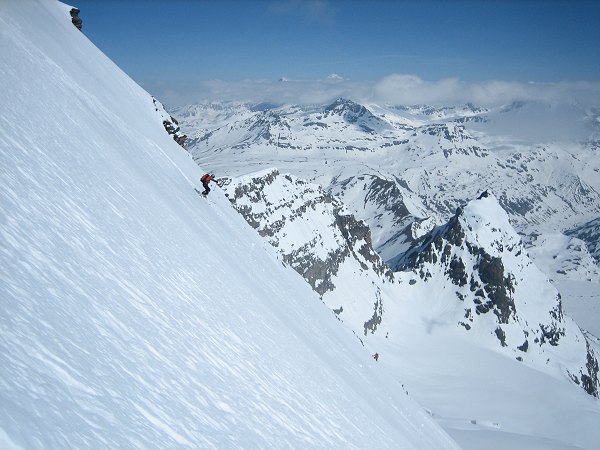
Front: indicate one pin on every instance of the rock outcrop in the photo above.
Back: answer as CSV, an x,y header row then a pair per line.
x,y
320,239
75,19
170,123
478,262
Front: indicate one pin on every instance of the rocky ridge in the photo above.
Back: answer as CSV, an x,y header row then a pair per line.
x,y
169,123
495,291
320,239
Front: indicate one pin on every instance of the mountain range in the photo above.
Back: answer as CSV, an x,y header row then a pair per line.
x,y
452,208
402,164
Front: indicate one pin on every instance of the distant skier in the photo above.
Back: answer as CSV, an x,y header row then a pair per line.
x,y
207,178
376,356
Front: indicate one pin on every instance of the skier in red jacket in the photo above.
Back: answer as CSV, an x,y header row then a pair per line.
x,y
207,178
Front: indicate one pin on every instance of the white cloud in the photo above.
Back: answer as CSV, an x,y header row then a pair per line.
x,y
393,89
285,91
410,89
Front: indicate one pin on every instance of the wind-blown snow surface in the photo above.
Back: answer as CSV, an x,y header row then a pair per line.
x,y
136,314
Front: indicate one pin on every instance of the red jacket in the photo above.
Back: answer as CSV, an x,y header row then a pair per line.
x,y
206,178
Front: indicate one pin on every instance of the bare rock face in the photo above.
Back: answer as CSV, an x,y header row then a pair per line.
x,y
319,238
75,19
170,123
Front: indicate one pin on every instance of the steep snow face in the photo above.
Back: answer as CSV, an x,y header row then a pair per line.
x,y
136,314
494,291
320,239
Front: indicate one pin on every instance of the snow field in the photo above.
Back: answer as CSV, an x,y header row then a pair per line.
x,y
136,314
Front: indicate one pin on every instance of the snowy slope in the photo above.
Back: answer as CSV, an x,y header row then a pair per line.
x,y
590,233
564,257
486,283
136,314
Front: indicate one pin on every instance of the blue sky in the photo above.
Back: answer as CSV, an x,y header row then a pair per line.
x,y
185,44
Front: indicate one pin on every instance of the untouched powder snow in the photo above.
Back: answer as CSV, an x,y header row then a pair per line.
x,y
136,314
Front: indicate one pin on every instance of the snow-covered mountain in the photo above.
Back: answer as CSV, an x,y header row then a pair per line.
x,y
467,287
399,166
476,318
479,259
564,256
467,301
137,314
590,233
435,157
475,267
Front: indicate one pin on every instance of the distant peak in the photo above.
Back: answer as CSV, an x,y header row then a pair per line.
x,y
341,101
484,194
486,223
343,105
